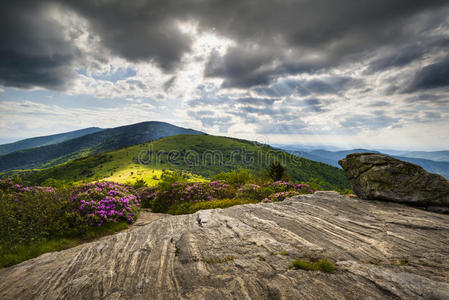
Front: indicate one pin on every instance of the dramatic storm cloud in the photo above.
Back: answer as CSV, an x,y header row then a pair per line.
x,y
305,71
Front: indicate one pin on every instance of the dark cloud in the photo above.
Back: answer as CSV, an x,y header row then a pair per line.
x,y
310,36
432,76
272,38
241,67
429,99
137,30
404,55
399,58
33,50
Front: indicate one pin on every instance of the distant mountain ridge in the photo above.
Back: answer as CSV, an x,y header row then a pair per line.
x,y
46,140
332,158
430,155
94,143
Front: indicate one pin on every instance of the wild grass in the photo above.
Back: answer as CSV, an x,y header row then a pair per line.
x,y
218,260
323,265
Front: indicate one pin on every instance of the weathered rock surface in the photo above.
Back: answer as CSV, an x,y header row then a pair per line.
x,y
380,177
382,251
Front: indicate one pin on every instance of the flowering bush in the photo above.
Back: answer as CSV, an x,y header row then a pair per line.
x,y
286,189
104,202
280,196
28,213
162,198
254,191
8,186
282,186
147,195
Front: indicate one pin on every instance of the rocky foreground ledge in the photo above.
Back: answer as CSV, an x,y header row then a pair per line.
x,y
381,250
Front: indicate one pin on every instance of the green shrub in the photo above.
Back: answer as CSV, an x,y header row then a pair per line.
x,y
191,207
35,220
146,196
58,184
168,178
31,214
315,184
139,183
236,177
277,171
176,192
281,196
254,191
321,265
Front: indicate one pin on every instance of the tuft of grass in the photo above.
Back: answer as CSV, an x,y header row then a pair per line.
x,y
216,260
191,207
283,253
323,265
11,255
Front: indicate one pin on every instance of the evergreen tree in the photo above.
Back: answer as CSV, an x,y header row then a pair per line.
x,y
276,171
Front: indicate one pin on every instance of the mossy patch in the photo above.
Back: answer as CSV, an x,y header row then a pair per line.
x,y
323,265
217,260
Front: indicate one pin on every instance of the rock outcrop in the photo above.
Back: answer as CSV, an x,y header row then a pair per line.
x,y
380,177
381,251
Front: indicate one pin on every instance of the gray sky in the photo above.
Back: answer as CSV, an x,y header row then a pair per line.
x,y
350,73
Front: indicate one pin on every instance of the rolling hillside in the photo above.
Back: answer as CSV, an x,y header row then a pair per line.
x,y
46,140
99,142
199,154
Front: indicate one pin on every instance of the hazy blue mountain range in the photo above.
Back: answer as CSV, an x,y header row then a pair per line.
x,y
94,143
332,158
46,140
431,155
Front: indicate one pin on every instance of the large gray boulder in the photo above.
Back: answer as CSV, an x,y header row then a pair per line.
x,y
381,251
380,177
